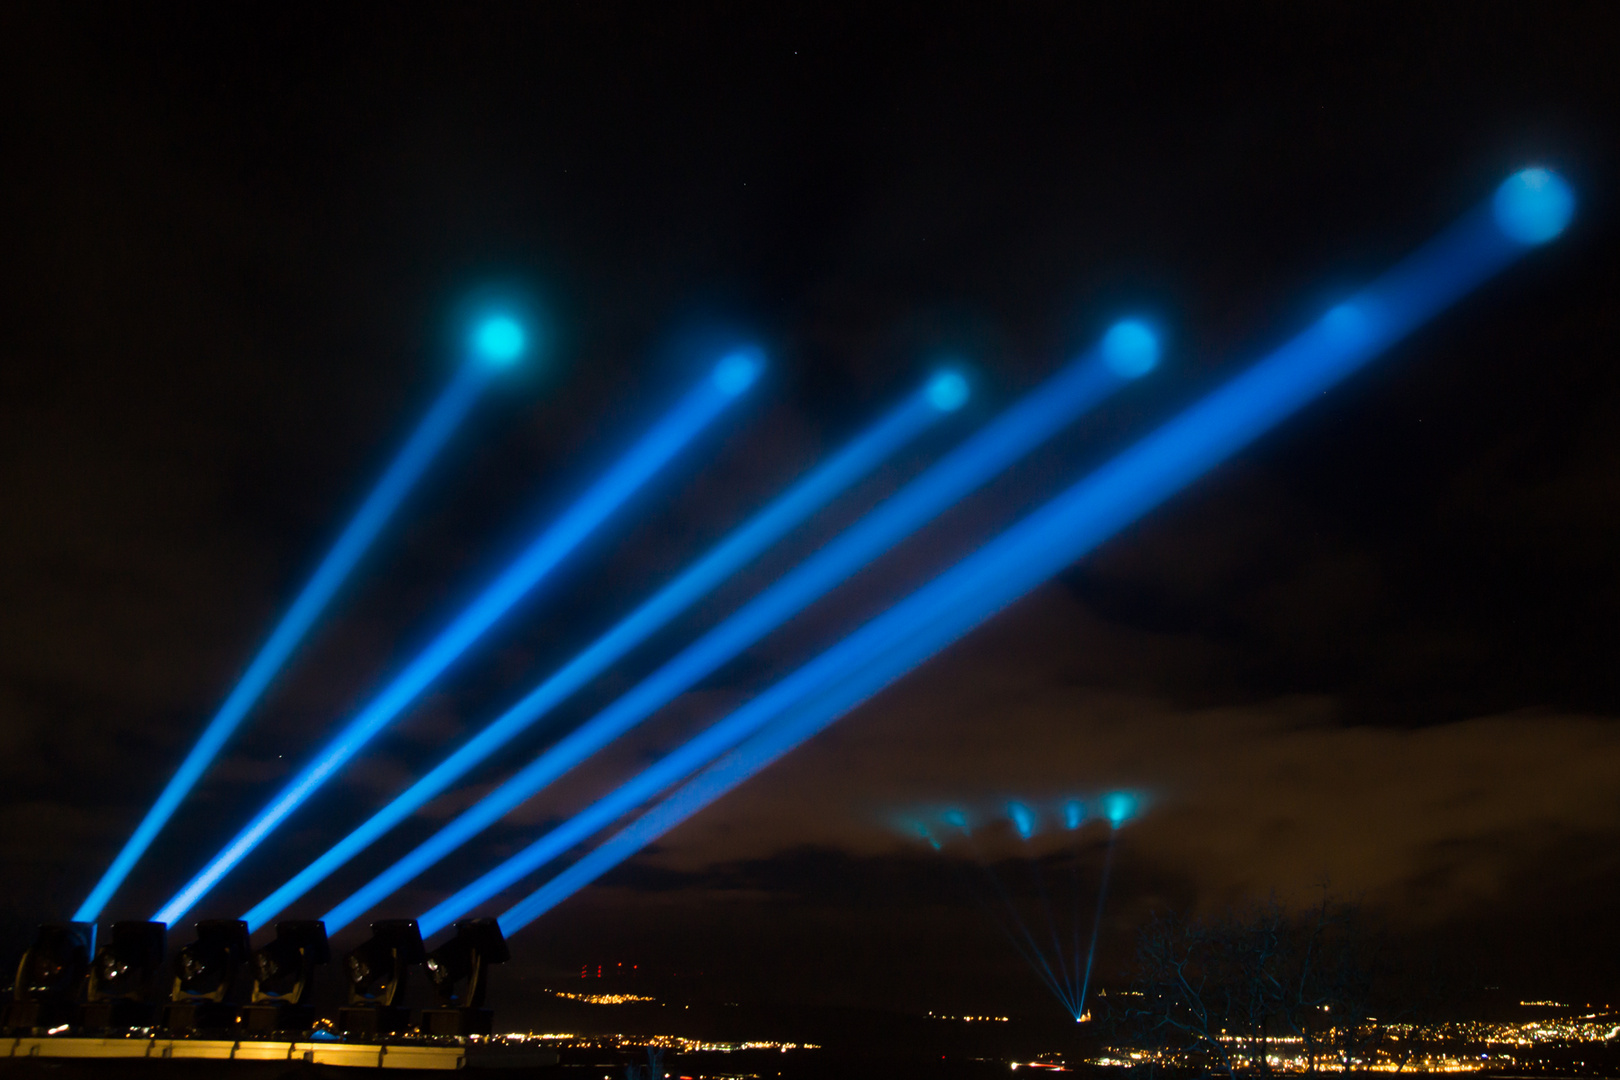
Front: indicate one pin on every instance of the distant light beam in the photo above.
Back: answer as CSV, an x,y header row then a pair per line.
x,y
419,451
883,650
1096,924
1129,349
943,394
730,377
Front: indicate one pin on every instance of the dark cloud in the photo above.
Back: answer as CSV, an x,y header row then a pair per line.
x,y
1243,799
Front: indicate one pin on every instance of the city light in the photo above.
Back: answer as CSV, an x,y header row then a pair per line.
x,y
1040,415
602,999
944,393
701,405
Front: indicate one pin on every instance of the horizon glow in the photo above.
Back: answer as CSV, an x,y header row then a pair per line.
x,y
691,415
1065,396
917,414
1075,522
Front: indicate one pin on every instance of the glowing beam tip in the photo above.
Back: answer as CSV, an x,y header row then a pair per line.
x,y
1533,206
1131,348
738,370
1074,814
1119,808
1023,819
499,340
922,832
947,391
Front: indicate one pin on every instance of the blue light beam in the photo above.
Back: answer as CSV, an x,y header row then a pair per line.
x,y
1096,925
1038,877
1483,243
944,393
1128,349
1025,948
729,378
419,451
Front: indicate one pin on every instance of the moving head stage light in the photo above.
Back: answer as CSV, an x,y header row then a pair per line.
x,y
48,977
282,972
377,973
119,993
205,974
459,970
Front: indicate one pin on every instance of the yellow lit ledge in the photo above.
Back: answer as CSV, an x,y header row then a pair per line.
x,y
367,1055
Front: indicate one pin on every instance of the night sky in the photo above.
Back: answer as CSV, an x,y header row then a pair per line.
x,y
1377,650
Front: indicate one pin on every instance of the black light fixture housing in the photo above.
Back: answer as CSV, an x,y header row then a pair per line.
x,y
282,972
459,970
376,972
118,993
204,974
49,976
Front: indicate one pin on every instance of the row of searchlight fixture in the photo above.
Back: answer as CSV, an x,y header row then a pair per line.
x,y
68,981
218,985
